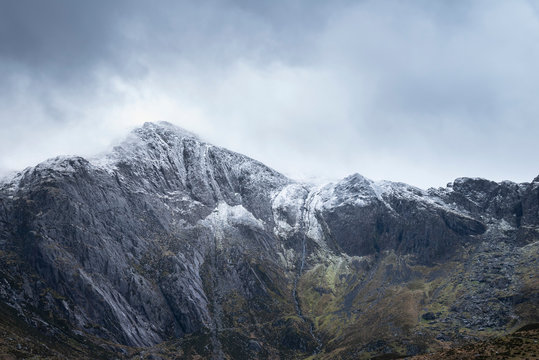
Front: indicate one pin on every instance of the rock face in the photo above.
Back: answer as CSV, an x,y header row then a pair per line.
x,y
169,246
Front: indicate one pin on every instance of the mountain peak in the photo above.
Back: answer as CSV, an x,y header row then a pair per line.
x,y
152,141
164,128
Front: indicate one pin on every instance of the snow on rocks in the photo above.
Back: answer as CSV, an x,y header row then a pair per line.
x,y
225,216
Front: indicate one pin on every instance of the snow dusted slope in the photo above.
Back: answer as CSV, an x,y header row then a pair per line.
x,y
168,235
169,160
360,217
152,206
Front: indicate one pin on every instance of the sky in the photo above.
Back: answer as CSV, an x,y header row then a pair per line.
x,y
420,91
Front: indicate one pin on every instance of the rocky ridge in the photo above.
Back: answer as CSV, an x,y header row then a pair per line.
x,y
170,246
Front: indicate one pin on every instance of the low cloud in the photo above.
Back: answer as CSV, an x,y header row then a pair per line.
x,y
409,91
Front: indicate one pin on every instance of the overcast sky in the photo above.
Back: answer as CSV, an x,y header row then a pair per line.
x,y
414,91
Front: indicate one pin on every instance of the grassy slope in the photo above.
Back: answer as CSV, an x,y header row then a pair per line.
x,y
395,307
521,344
361,308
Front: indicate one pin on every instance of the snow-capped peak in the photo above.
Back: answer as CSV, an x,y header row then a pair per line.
x,y
163,129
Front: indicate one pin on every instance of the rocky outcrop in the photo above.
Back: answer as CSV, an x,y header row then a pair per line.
x,y
171,240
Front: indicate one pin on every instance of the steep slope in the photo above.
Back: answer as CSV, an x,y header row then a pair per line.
x,y
181,247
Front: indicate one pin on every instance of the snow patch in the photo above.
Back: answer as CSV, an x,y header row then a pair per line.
x,y
287,208
313,229
225,216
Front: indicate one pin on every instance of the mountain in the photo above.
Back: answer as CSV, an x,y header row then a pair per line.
x,y
170,247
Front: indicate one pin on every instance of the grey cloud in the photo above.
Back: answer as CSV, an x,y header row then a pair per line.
x,y
415,91
58,38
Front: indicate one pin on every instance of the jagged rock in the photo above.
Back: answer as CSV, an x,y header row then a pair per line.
x,y
171,240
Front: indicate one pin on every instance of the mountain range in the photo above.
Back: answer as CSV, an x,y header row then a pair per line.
x,y
169,247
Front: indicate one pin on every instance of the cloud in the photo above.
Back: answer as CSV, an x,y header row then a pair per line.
x,y
411,91
450,89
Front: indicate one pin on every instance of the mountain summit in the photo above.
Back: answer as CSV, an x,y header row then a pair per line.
x,y
170,247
